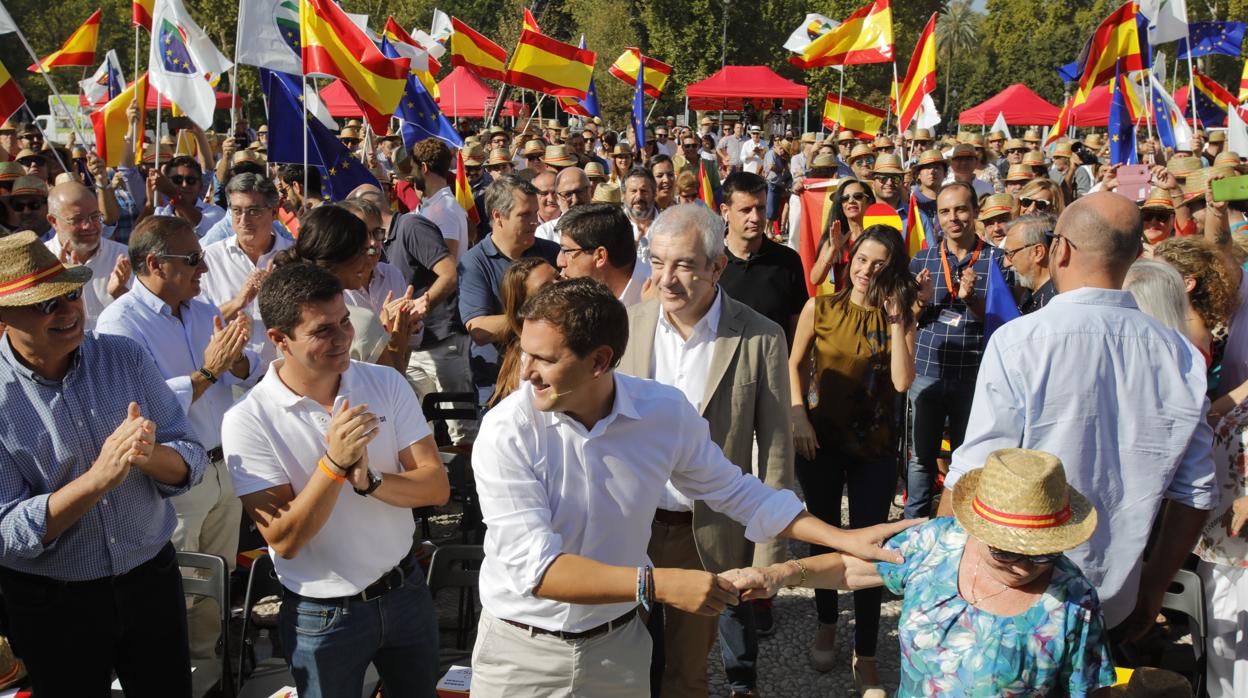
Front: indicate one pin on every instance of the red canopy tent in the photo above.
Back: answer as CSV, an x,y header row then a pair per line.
x,y
734,84
340,102
463,95
1018,103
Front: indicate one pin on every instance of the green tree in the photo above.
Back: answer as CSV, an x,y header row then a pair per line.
x,y
957,31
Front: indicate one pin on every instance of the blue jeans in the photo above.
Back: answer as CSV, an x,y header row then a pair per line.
x,y
329,644
738,646
776,196
933,402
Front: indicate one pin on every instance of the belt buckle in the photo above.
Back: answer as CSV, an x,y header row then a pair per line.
x,y
387,585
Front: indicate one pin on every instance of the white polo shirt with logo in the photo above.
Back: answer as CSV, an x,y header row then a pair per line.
x,y
275,437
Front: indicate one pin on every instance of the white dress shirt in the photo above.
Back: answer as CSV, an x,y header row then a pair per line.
x,y
686,365
449,216
228,269
95,295
210,215
177,346
549,486
275,437
548,231
631,295
750,161
1121,400
386,279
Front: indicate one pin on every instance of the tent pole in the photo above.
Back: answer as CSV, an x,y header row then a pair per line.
x,y
839,91
806,114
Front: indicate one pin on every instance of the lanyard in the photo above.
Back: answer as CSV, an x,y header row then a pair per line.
x,y
944,262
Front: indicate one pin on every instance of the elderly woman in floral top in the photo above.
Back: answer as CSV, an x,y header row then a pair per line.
x,y
991,606
1223,552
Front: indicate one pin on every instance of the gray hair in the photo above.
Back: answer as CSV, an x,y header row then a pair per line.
x,y
1159,291
151,237
251,183
499,197
693,218
1036,228
361,206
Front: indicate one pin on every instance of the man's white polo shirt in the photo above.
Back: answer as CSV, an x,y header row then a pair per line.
x,y
275,437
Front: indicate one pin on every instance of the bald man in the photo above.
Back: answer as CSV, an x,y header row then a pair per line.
x,y
1119,397
571,189
74,213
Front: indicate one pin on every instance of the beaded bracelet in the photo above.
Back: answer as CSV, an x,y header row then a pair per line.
x,y
325,469
642,599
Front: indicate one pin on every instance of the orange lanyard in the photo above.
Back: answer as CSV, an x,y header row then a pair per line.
x,y
944,262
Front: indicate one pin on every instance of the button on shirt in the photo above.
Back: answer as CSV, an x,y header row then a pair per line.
x,y
943,350
1120,399
229,267
177,346
275,437
52,433
685,364
210,215
95,295
449,216
549,486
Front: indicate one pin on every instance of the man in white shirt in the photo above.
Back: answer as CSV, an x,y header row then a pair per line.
x,y
570,469
182,182
729,363
664,146
596,241
1118,397
730,146
200,361
318,421
572,188
752,152
439,204
75,215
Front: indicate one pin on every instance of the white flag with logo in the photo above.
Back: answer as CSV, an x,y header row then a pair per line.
x,y
268,35
814,26
97,88
1236,132
182,60
441,28
1167,19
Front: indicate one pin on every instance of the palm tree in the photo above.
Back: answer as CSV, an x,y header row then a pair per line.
x,y
957,30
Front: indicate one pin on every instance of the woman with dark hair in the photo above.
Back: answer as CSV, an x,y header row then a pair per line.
x,y
332,237
853,353
844,226
525,277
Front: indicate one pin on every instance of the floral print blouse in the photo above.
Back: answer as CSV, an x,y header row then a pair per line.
x,y
1229,441
951,648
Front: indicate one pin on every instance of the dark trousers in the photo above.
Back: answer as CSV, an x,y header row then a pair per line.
x,y
74,635
933,402
871,484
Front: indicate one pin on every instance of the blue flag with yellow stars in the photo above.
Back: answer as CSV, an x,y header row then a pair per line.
x,y
341,172
1121,126
419,116
1205,38
638,117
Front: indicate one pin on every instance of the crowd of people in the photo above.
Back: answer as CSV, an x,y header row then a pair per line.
x,y
205,338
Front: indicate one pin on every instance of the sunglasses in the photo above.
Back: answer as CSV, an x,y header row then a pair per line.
x,y
865,162
857,196
1015,150
887,178
184,181
1159,216
30,162
49,306
192,260
1010,558
1041,204
19,207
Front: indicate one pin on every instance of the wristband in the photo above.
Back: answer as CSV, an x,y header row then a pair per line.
x,y
320,464
208,375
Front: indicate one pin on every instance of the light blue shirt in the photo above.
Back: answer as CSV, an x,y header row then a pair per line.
x,y
224,230
210,215
52,433
1121,400
177,346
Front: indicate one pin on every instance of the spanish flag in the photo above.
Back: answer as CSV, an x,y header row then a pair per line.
x,y
1243,84
920,76
463,191
111,124
1212,100
141,13
655,75
333,45
78,49
1063,123
11,98
847,115
1114,47
540,63
916,236
471,49
408,47
866,36
530,22
705,192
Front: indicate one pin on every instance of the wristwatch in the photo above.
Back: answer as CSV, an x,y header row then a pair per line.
x,y
373,483
207,375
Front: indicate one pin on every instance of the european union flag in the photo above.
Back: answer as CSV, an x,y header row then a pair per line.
x,y
1209,111
999,306
638,117
1205,38
1161,120
1069,72
341,172
1121,127
419,116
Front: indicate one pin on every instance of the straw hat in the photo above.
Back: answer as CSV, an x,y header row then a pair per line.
x,y
845,136
534,147
30,185
1031,136
1015,144
608,194
887,163
1062,150
1020,502
1217,137
31,273
621,148
495,130
809,137
963,150
1183,165
1227,158
862,150
706,121
882,142
28,153
976,139
1020,173
1158,200
1093,141
264,128
247,155
996,136
1034,158
930,157
348,132
498,156
8,127
355,123
10,171
29,129
557,156
996,205
12,669
594,170
1148,682
1195,185
474,155
922,134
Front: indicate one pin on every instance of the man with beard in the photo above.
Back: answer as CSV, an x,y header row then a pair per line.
x,y
438,204
75,215
1026,250
639,188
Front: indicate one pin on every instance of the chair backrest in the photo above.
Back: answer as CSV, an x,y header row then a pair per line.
x,y
441,406
215,586
455,566
1189,599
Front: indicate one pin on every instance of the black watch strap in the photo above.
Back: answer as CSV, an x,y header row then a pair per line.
x,y
212,378
373,483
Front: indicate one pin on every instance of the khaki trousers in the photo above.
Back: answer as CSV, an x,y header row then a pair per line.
x,y
687,638
208,521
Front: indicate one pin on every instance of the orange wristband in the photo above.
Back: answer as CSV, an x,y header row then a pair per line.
x,y
325,469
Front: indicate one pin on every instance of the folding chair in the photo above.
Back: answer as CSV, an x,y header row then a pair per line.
x,y
207,675
440,407
1186,595
458,567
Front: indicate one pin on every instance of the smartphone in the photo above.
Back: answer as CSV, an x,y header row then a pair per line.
x,y
1230,189
1133,181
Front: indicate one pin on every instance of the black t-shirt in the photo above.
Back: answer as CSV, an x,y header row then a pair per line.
x,y
414,245
771,282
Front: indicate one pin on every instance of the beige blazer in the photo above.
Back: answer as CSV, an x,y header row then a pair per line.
x,y
747,397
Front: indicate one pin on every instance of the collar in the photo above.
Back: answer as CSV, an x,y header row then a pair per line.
x,y
145,297
491,250
708,325
277,246
443,193
625,405
1108,297
279,393
763,249
8,356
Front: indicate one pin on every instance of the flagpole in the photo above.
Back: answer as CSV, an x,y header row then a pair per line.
x,y
840,91
303,82
156,137
55,152
48,79
136,53
238,33
1191,84
1148,111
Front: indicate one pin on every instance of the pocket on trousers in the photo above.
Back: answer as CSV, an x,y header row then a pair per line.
x,y
311,621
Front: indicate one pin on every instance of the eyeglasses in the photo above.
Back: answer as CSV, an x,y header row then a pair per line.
x,y
378,233
1016,150
184,181
1010,558
857,196
1009,254
1159,216
350,142
19,207
895,179
192,260
689,145
49,306
570,251
865,162
30,162
1040,204
249,212
1053,237
571,195
79,221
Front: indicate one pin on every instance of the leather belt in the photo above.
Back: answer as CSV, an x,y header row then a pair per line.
x,y
582,635
389,582
673,518
215,455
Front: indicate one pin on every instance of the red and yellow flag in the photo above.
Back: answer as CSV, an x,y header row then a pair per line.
x,y
916,236
11,98
656,73
530,22
394,32
463,190
847,115
816,207
705,192
399,38
141,13
866,36
1243,84
334,45
1062,125
111,124
543,64
1113,48
920,76
78,49
471,49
